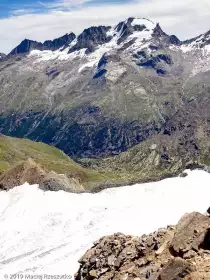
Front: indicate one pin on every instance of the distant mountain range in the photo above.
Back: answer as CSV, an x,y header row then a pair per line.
x,y
93,37
129,88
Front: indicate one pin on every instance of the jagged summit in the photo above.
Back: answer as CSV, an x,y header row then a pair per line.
x,y
132,25
136,24
91,37
28,45
133,31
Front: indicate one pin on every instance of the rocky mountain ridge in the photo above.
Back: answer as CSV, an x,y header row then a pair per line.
x,y
26,46
95,36
177,252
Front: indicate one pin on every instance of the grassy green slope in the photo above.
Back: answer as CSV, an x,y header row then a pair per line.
x,y
151,160
14,151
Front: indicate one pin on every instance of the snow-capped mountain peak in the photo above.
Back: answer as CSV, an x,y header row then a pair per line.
x,y
133,26
127,39
137,24
128,35
139,40
92,38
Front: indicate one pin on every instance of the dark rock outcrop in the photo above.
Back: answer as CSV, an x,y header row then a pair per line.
x,y
151,257
28,45
190,233
85,125
91,37
168,39
60,42
174,40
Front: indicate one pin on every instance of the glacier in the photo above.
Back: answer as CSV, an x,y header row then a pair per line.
x,y
47,232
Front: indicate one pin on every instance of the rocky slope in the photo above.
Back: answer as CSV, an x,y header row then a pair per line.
x,y
32,173
22,160
109,89
180,252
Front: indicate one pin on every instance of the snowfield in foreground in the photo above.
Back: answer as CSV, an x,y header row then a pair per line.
x,y
47,232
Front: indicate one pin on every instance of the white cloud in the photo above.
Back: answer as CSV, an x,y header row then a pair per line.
x,y
183,18
22,12
63,4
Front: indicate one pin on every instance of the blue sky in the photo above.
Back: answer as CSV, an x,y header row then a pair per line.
x,y
47,19
8,6
20,7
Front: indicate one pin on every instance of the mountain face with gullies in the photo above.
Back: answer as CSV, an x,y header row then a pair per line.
x,y
130,91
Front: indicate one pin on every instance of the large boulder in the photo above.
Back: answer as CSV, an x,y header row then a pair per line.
x,y
191,234
56,182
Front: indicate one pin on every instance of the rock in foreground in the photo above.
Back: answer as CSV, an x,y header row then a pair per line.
x,y
175,253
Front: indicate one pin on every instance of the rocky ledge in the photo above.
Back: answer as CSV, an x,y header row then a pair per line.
x,y
175,253
31,172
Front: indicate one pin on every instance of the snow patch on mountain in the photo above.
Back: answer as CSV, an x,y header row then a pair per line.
x,y
89,64
48,55
139,36
142,21
47,232
184,48
53,55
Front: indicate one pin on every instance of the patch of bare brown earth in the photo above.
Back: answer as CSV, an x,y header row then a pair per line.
x,y
174,253
32,173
